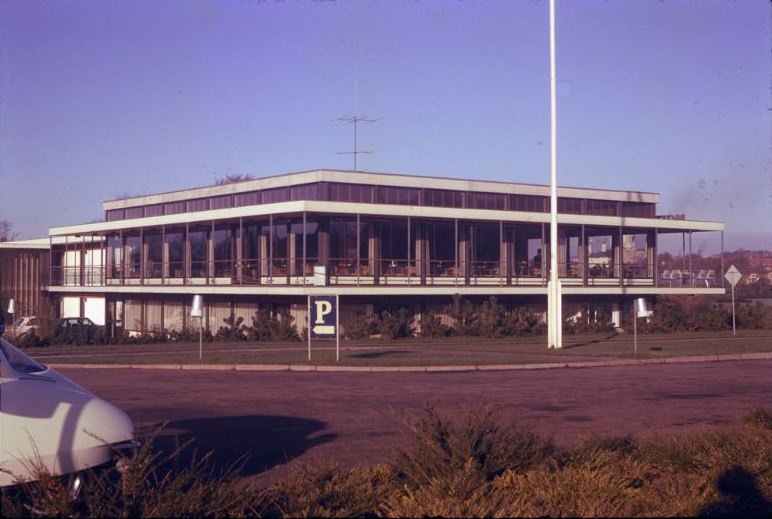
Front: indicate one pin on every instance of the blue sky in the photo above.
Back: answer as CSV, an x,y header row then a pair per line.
x,y
101,99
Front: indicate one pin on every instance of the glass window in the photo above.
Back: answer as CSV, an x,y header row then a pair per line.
x,y
154,255
358,193
487,201
442,248
305,192
279,247
600,256
221,202
174,207
114,214
397,195
635,254
222,243
394,245
154,210
443,198
198,204
175,244
250,198
638,209
114,256
570,205
309,236
531,203
272,196
134,212
198,240
133,244
343,239
251,251
601,207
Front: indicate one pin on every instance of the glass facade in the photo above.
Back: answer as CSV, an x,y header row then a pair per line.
x,y
395,195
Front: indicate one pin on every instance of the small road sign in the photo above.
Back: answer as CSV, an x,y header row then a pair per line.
x,y
733,275
323,322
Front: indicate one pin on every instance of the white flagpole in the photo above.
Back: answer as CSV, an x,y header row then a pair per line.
x,y
554,306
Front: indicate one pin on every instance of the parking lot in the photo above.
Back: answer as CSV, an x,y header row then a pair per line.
x,y
286,419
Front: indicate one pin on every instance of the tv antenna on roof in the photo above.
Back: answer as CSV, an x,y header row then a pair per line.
x,y
356,120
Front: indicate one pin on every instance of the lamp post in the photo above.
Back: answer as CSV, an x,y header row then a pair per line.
x,y
197,310
11,310
554,303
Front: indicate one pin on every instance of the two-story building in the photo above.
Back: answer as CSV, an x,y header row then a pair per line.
x,y
383,241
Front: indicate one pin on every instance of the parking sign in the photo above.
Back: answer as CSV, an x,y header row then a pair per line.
x,y
323,318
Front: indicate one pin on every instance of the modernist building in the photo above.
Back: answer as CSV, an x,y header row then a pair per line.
x,y
384,241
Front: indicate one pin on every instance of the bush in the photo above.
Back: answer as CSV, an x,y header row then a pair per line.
x,y
234,329
470,440
432,326
361,326
267,326
465,464
398,326
32,340
330,492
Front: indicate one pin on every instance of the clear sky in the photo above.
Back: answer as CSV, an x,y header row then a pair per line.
x,y
102,99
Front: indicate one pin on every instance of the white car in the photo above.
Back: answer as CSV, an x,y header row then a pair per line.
x,y
50,424
21,326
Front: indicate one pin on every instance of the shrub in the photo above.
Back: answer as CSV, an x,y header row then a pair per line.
x,y
397,326
272,327
234,329
754,316
361,326
432,326
521,322
32,340
329,492
467,441
760,417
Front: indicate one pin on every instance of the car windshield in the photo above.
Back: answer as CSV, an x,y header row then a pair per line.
x,y
19,360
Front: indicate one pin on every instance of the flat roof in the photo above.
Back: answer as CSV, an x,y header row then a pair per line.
x,y
381,179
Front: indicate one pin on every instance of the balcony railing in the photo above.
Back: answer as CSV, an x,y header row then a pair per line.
x,y
278,271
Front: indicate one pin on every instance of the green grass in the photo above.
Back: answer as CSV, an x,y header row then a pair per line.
x,y
454,351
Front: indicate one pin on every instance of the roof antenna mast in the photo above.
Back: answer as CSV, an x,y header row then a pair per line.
x,y
355,120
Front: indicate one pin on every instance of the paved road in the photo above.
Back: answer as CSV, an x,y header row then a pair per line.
x,y
284,419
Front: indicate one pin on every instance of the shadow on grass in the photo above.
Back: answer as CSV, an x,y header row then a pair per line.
x,y
253,444
377,354
593,341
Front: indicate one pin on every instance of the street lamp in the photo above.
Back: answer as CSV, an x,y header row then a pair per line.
x,y
554,303
197,310
11,310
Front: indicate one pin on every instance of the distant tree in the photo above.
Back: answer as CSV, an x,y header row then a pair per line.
x,y
232,179
6,231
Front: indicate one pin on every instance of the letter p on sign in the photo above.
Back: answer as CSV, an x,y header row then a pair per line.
x,y
322,309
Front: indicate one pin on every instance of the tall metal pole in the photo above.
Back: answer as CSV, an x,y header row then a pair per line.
x,y
554,306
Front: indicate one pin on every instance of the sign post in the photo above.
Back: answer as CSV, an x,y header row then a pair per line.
x,y
323,317
197,310
639,310
733,275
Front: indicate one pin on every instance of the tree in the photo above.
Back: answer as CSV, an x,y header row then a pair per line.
x,y
232,179
6,231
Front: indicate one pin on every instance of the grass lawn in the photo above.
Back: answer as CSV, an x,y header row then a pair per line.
x,y
453,351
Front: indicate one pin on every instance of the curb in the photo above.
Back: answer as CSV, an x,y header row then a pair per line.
x,y
426,369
